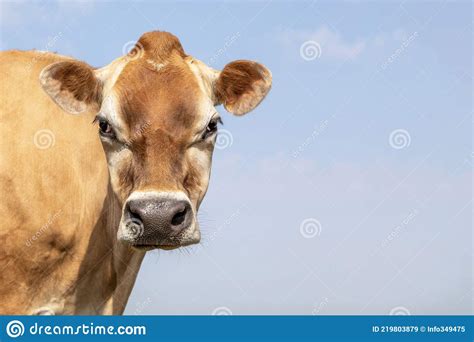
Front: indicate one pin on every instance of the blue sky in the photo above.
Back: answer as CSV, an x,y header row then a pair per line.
x,y
393,217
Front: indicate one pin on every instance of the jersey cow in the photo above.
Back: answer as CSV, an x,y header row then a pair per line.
x,y
82,203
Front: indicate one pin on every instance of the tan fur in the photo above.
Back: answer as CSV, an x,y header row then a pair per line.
x,y
74,255
63,203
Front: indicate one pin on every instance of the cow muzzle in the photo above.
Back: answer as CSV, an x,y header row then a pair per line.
x,y
158,220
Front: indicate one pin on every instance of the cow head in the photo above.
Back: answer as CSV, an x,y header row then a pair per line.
x,y
157,123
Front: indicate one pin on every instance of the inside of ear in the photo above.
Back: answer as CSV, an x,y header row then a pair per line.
x,y
242,85
72,85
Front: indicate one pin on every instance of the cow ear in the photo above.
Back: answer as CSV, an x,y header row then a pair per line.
x,y
241,86
73,85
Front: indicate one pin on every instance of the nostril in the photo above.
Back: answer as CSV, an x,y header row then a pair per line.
x,y
179,217
133,212
134,217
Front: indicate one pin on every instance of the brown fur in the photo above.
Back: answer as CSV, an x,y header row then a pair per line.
x,y
159,46
78,79
72,85
165,101
58,193
242,85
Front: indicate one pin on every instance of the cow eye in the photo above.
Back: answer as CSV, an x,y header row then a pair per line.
x,y
105,129
211,128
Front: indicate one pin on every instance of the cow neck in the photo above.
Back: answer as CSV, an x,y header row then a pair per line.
x,y
109,268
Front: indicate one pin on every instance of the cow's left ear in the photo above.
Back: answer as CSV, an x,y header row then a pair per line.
x,y
241,86
73,85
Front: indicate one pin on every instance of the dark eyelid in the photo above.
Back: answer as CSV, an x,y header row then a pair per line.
x,y
215,120
99,118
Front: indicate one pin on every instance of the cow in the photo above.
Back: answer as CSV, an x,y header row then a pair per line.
x,y
100,165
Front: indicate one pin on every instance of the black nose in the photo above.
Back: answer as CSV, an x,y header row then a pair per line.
x,y
160,217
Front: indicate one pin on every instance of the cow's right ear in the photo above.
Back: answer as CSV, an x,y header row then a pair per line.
x,y
73,85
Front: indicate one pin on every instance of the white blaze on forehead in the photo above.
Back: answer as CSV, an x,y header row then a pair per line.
x,y
205,77
110,73
155,65
110,110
